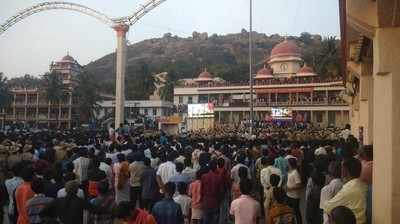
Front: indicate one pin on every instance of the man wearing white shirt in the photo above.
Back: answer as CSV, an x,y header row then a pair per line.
x,y
267,172
165,171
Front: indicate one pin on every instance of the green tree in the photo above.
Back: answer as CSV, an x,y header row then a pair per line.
x,y
54,88
87,93
140,82
5,93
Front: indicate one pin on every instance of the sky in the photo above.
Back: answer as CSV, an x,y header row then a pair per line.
x,y
30,45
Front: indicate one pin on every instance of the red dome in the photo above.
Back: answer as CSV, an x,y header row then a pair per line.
x,y
306,70
286,48
264,71
205,75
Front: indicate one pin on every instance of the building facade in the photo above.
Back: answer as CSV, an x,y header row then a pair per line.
x,y
372,30
284,82
31,108
150,109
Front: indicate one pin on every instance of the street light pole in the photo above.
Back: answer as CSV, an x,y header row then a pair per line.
x,y
251,67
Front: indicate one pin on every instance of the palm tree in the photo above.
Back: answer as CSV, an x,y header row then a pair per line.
x,y
54,89
88,96
5,93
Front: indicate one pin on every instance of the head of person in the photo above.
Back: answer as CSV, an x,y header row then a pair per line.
x,y
103,187
120,157
351,168
179,167
169,189
241,158
274,180
242,172
221,163
245,186
292,163
17,168
279,195
71,188
182,188
123,210
147,162
347,126
366,152
342,215
27,174
318,178
170,157
37,185
213,165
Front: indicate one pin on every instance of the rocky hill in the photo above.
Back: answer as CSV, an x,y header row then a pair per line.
x,y
224,55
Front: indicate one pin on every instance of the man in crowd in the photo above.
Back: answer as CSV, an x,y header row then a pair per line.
x,y
353,193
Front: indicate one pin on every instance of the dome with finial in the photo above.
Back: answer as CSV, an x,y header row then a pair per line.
x,y
263,73
205,76
306,71
68,58
285,49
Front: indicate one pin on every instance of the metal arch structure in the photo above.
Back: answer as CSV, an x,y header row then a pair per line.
x,y
138,14
52,6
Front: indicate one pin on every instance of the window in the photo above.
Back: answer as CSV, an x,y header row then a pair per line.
x,y
180,99
146,112
190,99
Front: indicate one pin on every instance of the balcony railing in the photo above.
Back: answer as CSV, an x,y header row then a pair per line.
x,y
281,103
272,81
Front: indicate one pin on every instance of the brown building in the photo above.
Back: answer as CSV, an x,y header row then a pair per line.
x,y
31,108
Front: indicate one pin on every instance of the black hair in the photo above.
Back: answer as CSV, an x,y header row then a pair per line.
x,y
182,188
368,151
187,162
37,185
220,162
169,188
123,210
343,215
353,166
213,165
292,163
179,167
17,168
27,173
245,186
120,157
279,195
241,157
198,174
147,161
274,180
242,172
318,178
102,187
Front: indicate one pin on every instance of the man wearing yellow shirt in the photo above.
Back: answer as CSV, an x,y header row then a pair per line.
x,y
353,193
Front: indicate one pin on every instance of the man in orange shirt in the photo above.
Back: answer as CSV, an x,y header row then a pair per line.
x,y
22,194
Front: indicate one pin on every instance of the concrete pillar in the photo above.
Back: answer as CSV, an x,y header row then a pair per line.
x,y
121,30
386,137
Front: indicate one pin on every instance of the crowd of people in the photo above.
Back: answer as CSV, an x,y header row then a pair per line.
x,y
278,175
